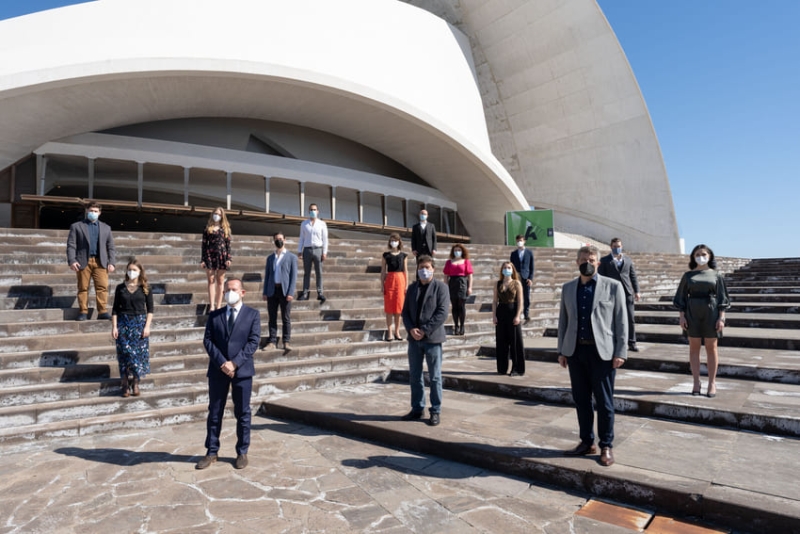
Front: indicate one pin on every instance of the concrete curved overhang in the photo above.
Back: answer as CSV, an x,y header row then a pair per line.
x,y
349,67
566,116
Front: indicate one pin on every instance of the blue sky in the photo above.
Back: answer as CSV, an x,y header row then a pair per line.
x,y
721,79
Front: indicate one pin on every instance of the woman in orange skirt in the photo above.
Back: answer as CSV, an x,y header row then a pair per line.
x,y
394,277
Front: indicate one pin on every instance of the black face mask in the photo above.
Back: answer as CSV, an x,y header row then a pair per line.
x,y
587,269
279,243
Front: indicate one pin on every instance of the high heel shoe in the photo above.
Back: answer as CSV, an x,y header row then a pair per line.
x,y
387,336
397,336
136,391
124,387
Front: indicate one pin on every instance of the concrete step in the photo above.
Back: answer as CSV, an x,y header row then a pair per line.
x,y
754,297
738,307
743,484
763,365
732,319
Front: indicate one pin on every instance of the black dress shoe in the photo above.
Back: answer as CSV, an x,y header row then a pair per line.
x,y
633,348
303,296
104,317
321,298
82,317
582,450
606,457
241,461
412,416
434,420
206,461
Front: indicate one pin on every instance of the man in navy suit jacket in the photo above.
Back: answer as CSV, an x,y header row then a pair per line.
x,y
231,338
522,259
280,279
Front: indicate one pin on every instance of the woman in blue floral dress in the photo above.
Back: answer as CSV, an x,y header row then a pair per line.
x,y
130,322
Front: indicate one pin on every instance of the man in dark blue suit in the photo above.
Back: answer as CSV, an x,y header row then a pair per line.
x,y
522,259
231,338
280,279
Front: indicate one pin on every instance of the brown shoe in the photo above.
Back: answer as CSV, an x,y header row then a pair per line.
x,y
206,461
582,450
124,387
136,391
241,461
606,456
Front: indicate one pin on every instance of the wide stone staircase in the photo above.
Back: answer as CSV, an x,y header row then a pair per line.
x,y
683,455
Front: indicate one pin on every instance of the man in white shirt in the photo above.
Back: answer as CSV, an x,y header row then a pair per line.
x,y
314,247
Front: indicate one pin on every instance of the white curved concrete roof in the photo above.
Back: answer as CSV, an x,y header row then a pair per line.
x,y
566,117
549,82
350,67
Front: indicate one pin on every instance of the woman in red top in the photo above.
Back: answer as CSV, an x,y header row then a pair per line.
x,y
458,277
394,278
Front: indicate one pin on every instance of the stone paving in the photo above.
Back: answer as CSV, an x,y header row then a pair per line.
x,y
300,479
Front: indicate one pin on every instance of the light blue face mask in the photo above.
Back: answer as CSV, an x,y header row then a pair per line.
x,y
456,253
423,217
507,272
312,214
92,216
616,251
425,274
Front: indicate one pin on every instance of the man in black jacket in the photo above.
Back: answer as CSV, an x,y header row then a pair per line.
x,y
620,267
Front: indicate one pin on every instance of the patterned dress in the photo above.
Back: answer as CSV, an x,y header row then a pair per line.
x,y
216,249
133,350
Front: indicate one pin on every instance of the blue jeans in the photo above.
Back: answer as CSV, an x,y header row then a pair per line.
x,y
432,352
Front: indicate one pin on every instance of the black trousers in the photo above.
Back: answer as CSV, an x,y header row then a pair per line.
x,y
508,338
590,376
631,320
278,300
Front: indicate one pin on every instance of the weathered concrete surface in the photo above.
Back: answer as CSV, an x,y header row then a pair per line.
x,y
683,469
300,479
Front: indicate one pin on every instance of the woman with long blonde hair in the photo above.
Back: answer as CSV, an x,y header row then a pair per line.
x,y
216,255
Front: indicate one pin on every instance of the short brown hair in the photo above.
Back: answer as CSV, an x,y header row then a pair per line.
x,y
520,236
94,204
425,259
615,240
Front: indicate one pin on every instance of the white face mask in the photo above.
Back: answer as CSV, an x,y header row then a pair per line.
x,y
425,274
393,244
133,275
456,253
521,244
701,260
217,218
232,297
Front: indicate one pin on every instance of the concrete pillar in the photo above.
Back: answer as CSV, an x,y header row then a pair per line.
x,y
139,181
384,199
333,202
186,185
91,177
228,180
302,199
266,194
405,212
360,206
41,170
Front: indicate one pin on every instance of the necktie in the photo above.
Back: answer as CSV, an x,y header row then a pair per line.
x,y
231,318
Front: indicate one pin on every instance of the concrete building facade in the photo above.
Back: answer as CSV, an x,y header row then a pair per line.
x,y
368,107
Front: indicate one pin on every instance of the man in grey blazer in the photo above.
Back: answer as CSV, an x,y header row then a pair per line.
x,y
91,254
280,279
620,267
424,313
592,335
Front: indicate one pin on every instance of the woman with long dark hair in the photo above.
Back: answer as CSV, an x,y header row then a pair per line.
x,y
507,314
216,255
458,277
702,300
131,317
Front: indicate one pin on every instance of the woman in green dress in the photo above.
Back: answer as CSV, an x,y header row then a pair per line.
x,y
702,300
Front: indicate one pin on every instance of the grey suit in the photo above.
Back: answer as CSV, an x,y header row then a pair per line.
x,y
91,267
590,354
625,273
277,294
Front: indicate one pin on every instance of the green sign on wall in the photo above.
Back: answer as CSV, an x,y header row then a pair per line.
x,y
535,225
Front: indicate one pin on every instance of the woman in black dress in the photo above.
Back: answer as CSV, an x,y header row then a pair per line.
x,y
131,317
702,300
507,313
216,255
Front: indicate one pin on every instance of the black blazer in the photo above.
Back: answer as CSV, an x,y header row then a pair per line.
x,y
434,311
424,242
625,273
